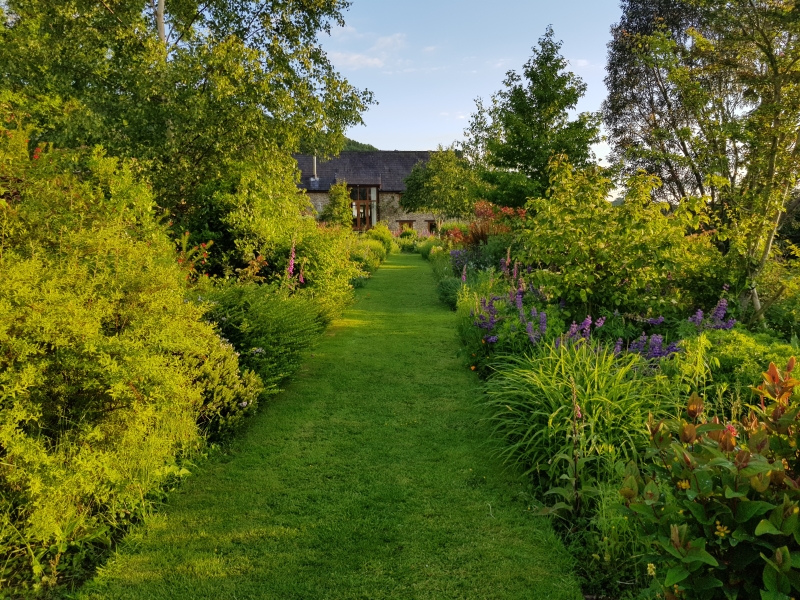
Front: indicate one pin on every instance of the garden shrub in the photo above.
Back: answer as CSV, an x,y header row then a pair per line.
x,y
105,367
440,263
268,327
425,247
448,288
406,244
381,233
718,500
337,211
408,233
739,356
635,258
368,254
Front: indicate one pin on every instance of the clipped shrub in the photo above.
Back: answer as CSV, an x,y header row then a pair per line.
x,y
382,233
425,247
448,288
368,254
337,211
105,367
268,327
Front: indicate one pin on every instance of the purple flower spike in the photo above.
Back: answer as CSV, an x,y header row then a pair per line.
x,y
697,319
618,347
542,322
600,322
491,339
656,321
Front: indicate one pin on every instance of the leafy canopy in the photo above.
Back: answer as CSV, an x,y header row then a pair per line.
x,y
443,186
527,123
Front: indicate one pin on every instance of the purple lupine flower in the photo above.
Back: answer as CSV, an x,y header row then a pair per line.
x,y
639,345
697,319
491,339
719,310
558,342
656,321
600,322
725,287
533,313
519,302
618,347
290,269
542,322
573,330
533,336
586,327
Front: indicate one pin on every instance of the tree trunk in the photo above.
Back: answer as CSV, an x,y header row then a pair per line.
x,y
162,31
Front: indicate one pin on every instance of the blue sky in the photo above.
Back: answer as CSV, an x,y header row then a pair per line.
x,y
427,60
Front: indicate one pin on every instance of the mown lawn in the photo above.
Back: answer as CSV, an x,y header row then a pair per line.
x,y
370,477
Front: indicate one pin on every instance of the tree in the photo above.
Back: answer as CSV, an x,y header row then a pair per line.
x,y
724,120
444,186
338,211
527,123
191,90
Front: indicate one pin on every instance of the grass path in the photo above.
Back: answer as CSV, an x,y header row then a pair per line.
x,y
368,478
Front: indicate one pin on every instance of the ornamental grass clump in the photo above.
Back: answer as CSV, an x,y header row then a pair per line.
x,y
531,405
719,502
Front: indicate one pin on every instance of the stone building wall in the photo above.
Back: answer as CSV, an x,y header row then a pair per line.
x,y
389,211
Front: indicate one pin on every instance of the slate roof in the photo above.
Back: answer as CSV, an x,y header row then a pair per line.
x,y
384,168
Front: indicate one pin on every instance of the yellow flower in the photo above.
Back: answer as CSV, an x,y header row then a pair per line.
x,y
684,484
651,569
722,531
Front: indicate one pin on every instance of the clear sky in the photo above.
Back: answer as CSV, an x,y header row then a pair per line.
x,y
427,60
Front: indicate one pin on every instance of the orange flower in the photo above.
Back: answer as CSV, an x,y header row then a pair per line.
x,y
472,368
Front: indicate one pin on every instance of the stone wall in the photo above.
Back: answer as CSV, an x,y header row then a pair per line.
x,y
389,211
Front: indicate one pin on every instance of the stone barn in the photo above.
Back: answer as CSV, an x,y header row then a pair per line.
x,y
376,181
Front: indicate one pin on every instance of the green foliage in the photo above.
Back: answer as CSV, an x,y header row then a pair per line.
x,y
269,328
105,368
444,186
740,354
528,123
369,254
426,247
381,233
719,502
337,211
448,289
633,258
211,105
408,233
354,146
531,404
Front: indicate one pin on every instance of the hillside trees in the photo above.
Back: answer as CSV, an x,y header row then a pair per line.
x,y
198,93
513,137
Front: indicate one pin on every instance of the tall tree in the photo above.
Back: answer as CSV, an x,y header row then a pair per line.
x,y
724,116
527,123
192,89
